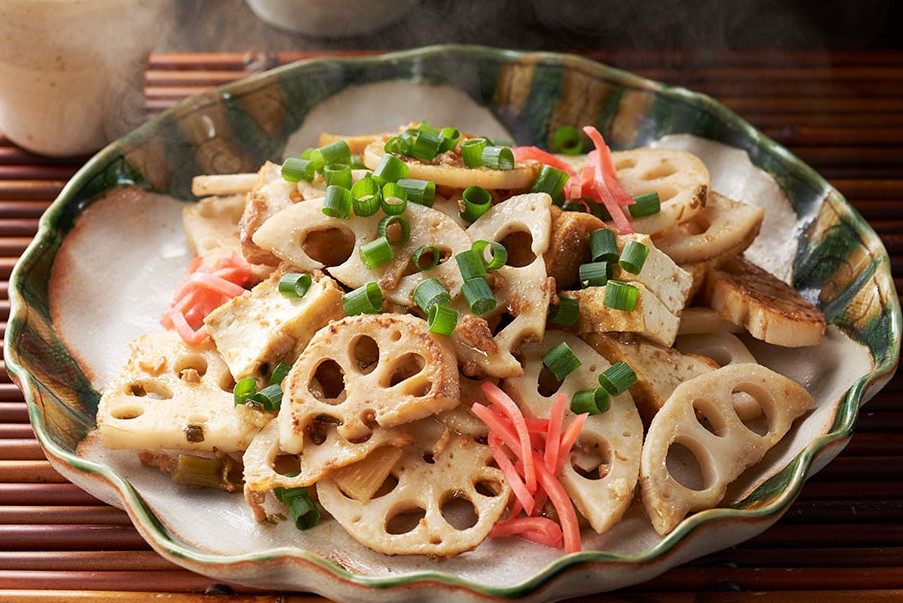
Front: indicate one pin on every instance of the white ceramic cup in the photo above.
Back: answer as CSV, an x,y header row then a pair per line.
x,y
72,71
329,18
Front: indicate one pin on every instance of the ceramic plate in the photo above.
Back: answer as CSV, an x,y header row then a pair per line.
x,y
110,252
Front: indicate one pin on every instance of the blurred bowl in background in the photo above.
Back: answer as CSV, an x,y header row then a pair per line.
x,y
330,18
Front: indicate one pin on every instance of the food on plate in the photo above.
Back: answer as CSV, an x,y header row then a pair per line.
x,y
447,340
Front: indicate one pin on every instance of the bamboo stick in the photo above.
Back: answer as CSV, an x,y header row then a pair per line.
x,y
69,537
44,494
29,471
84,560
75,515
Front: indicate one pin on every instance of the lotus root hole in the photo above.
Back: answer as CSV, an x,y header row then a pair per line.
x,y
746,401
625,163
329,246
127,412
328,382
592,461
396,335
520,248
662,170
710,418
684,467
404,521
365,352
189,366
548,384
226,382
428,458
417,388
285,464
459,512
390,483
488,488
317,432
498,323
151,390
405,367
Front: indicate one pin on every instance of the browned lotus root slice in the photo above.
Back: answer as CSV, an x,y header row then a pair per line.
x,y
271,195
770,309
442,497
680,179
324,451
605,461
364,371
724,228
171,396
699,420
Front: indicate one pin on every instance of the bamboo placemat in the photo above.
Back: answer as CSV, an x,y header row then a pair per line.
x,y
842,540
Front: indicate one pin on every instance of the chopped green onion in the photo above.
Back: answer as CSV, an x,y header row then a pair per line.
x,y
334,152
269,398
550,181
394,199
301,508
363,300
592,401
338,174
565,313
568,141
279,373
425,146
479,296
448,139
561,361
243,390
356,163
293,284
499,253
376,252
602,246
295,169
472,151
337,203
429,293
391,168
442,319
594,274
621,296
366,195
202,472
430,251
315,158
405,229
477,202
577,205
421,192
645,205
633,257
498,158
471,264
618,378
398,145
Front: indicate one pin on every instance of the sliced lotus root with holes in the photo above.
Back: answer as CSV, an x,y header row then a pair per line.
x,y
522,288
305,237
697,445
441,498
368,371
171,396
271,195
723,229
267,466
680,179
770,309
605,461
211,224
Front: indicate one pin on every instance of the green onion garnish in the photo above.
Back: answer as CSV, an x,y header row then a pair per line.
x,y
398,145
421,192
363,300
315,158
425,145
565,313
568,141
645,205
404,229
479,296
243,390
334,152
442,319
294,284
270,397
301,508
267,399
429,293
621,296
477,202
394,199
471,264
561,361
633,257
592,401
498,158
550,181
618,378
366,195
279,373
338,174
472,151
295,169
594,274
337,203
499,253
448,139
376,252
391,168
356,163
429,251
602,246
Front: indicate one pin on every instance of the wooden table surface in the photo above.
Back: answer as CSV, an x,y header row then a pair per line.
x,y
841,541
